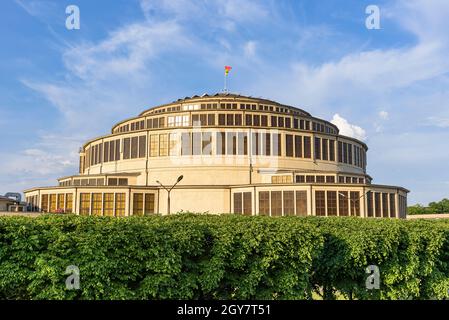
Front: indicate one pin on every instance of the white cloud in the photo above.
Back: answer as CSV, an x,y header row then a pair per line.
x,y
439,122
383,115
249,49
348,129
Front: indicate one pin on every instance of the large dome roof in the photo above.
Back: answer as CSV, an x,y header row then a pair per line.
x,y
224,96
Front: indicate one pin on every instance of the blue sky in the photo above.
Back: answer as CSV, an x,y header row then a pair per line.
x,y
60,87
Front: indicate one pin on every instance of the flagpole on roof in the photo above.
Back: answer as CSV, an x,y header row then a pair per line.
x,y
227,69
225,90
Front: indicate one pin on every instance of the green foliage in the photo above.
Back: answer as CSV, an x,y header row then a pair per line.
x,y
434,207
191,256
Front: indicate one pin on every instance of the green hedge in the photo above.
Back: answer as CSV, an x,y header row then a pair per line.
x,y
222,257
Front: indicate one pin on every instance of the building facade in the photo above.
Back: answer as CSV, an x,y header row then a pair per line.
x,y
237,154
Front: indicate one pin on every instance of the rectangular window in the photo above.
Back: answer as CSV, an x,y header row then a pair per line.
x,y
276,203
154,145
149,203
120,204
108,204
126,148
324,145
295,123
264,203
106,152
242,143
196,143
288,145
300,179
248,120
355,203
69,203
277,145
392,205
206,143
53,203
343,203
318,148
310,179
211,119
349,153
385,212
331,150
256,121
255,143
264,121
267,142
221,119
221,143
320,203
60,206
288,122
307,147
138,204
84,204
186,144
142,146
44,203
247,203
123,181
281,122
238,119
289,203
298,146
369,202
378,208
340,151
238,203
117,149
274,122
231,143
96,204
331,203
301,203
173,144
134,147
230,119
330,179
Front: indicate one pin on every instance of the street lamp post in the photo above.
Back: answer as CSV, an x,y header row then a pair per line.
x,y
169,190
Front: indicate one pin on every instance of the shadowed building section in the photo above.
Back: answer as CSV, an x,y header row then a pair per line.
x,y
237,154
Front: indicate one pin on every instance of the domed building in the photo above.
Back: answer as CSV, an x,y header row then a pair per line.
x,y
222,153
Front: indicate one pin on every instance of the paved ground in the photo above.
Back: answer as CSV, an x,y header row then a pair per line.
x,y
428,216
25,214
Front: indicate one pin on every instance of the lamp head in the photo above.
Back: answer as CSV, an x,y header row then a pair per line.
x,y
179,178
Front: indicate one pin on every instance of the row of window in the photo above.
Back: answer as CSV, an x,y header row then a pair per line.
x,y
95,182
278,203
337,203
228,106
33,203
381,204
113,204
316,179
347,155
152,123
60,202
329,179
227,143
227,119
